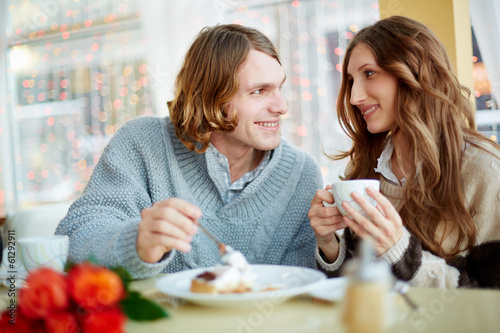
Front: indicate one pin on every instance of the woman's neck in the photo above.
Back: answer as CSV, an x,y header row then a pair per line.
x,y
402,164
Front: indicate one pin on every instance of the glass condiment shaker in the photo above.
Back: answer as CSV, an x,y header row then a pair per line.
x,y
366,305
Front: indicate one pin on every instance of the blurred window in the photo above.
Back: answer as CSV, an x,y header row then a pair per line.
x,y
75,74
488,113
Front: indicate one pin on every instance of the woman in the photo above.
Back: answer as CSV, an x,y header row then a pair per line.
x,y
437,221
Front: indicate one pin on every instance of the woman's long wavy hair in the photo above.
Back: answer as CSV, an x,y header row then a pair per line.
x,y
434,113
208,81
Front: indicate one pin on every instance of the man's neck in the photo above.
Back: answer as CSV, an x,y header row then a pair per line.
x,y
240,165
240,161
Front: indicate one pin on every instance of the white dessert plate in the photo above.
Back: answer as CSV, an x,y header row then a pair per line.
x,y
332,290
286,282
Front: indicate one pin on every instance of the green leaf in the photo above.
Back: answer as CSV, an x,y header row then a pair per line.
x,y
69,265
92,259
139,308
123,274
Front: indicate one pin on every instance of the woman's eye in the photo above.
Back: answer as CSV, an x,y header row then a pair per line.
x,y
369,73
258,91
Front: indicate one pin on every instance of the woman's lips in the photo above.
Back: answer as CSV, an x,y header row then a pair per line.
x,y
367,112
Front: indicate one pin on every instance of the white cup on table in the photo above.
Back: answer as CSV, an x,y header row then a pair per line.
x,y
48,251
342,192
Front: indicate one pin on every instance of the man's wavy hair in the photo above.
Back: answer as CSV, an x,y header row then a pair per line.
x,y
208,81
434,113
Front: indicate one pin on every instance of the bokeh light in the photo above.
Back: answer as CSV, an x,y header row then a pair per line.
x,y
302,131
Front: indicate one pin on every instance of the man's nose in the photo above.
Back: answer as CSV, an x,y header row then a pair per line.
x,y
278,103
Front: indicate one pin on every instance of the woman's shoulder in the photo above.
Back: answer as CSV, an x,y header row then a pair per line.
x,y
481,155
481,168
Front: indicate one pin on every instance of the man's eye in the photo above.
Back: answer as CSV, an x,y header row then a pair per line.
x,y
258,91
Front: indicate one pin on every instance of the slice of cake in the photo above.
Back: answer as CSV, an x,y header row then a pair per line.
x,y
234,276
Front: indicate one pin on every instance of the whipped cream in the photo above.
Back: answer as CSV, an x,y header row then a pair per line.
x,y
229,278
235,258
235,271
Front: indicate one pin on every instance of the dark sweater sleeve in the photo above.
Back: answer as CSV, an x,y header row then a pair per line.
x,y
480,268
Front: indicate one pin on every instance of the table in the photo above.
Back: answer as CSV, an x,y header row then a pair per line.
x,y
441,310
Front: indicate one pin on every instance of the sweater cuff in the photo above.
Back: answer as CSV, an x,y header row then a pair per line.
x,y
127,248
396,252
337,263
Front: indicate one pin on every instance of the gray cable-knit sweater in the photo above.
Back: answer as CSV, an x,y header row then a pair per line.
x,y
145,162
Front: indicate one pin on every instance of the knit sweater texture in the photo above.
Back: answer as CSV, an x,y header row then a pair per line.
x,y
145,163
410,261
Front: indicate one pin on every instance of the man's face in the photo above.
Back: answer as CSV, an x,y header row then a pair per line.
x,y
259,104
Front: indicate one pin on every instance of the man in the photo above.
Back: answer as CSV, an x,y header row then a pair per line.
x,y
217,160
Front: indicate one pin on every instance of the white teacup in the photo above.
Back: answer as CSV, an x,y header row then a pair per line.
x,y
342,192
48,251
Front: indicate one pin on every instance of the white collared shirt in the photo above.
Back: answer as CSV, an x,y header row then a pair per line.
x,y
384,164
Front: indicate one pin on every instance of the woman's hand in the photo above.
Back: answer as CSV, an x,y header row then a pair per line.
x,y
324,222
168,224
385,228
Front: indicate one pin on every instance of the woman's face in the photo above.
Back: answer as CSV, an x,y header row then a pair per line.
x,y
373,91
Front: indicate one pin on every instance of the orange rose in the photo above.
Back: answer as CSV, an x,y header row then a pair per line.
x,y
110,320
62,322
94,287
45,292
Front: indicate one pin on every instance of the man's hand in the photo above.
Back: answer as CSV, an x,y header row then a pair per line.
x,y
169,224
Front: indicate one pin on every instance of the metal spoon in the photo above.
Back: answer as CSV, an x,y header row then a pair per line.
x,y
402,287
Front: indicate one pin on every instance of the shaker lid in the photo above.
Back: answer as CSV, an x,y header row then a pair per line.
x,y
367,267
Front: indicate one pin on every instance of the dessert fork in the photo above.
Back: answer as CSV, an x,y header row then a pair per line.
x,y
222,246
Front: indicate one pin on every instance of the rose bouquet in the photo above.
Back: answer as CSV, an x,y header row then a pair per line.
x,y
89,298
